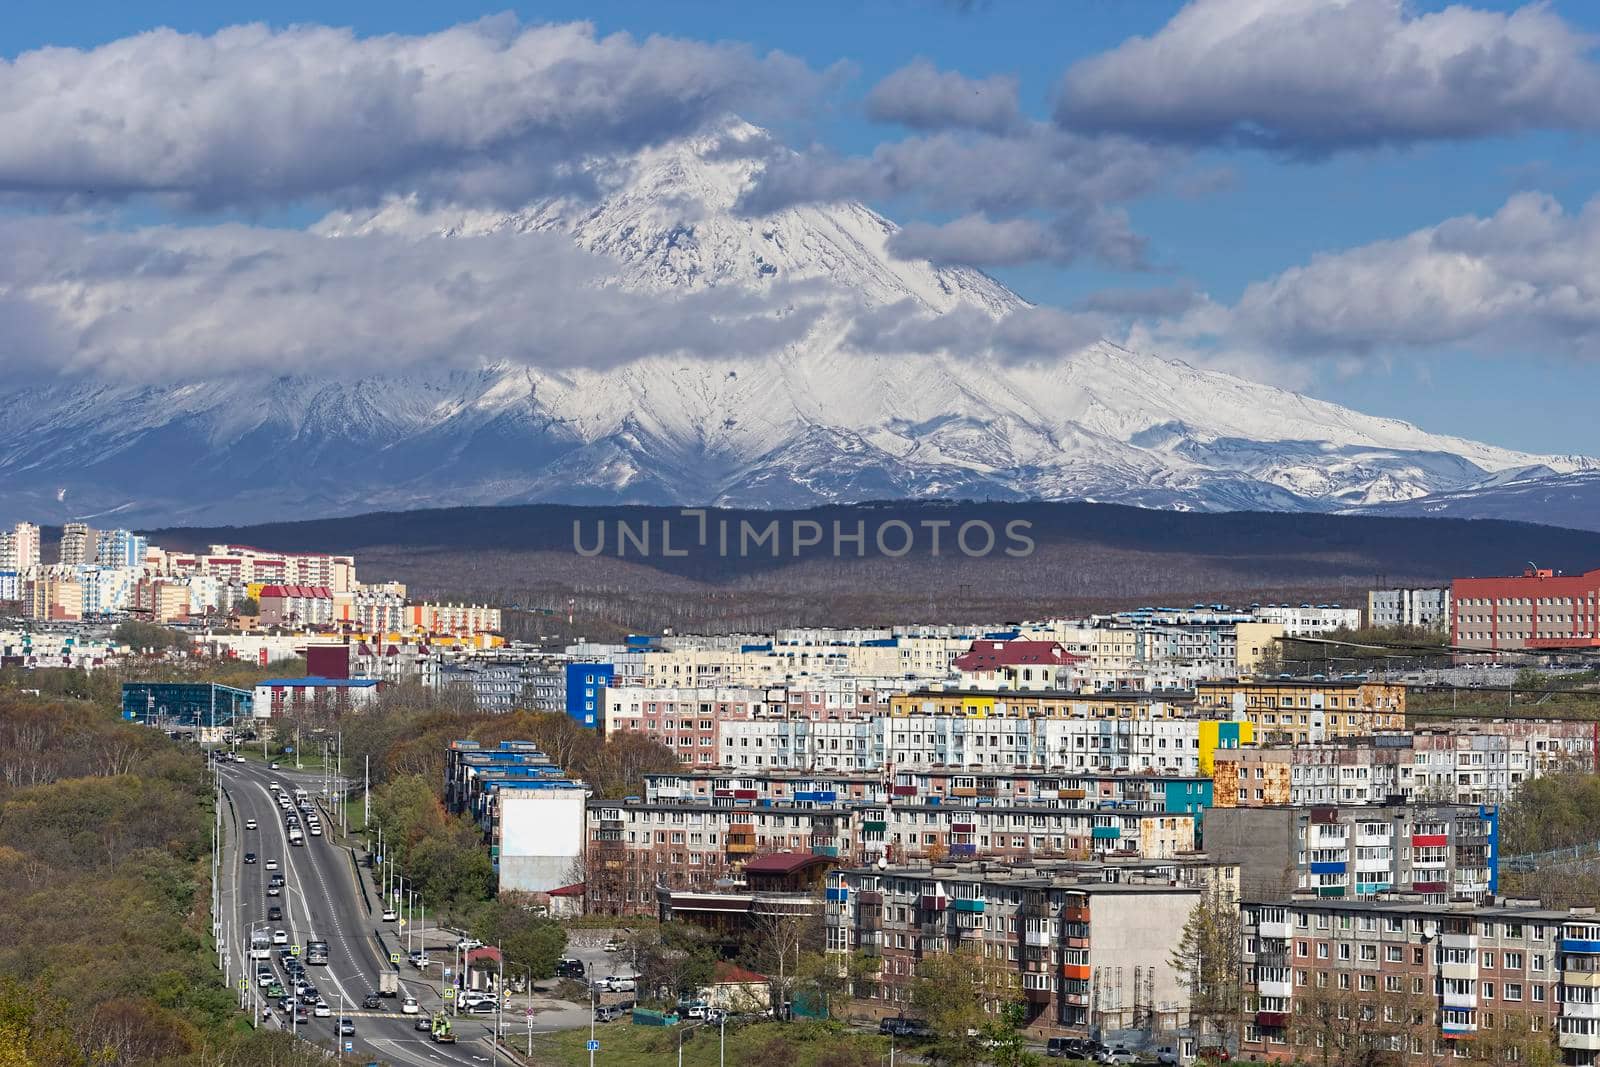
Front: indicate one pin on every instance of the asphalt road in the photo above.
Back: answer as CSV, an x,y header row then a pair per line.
x,y
322,900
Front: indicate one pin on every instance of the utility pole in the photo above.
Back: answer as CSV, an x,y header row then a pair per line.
x,y
366,791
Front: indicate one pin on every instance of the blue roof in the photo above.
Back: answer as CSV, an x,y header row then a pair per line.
x,y
337,683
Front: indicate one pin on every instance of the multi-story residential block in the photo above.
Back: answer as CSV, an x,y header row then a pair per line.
x,y
1422,609
1442,852
531,813
120,548
296,606
1310,620
1542,610
1090,945
1422,983
51,597
77,545
1306,710
19,548
246,563
688,721
503,684
1466,763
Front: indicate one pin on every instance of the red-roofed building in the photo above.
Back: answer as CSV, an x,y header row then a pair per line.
x,y
566,902
297,606
737,990
1016,664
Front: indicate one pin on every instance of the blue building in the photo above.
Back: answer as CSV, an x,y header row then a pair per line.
x,y
586,683
170,705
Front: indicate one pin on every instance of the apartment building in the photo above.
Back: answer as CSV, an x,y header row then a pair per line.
x,y
531,813
1541,610
120,548
691,722
19,547
77,545
1306,710
296,606
1476,763
1309,620
1090,944
1016,664
1420,983
1422,609
1443,853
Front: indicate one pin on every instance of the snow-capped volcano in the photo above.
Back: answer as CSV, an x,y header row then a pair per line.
x,y
828,418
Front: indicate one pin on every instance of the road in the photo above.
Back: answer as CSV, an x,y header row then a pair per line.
x,y
322,900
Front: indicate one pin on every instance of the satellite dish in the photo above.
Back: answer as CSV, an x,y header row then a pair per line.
x,y
883,863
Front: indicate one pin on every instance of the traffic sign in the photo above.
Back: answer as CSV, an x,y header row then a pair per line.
x,y
400,922
294,950
447,972
394,957
243,985
449,993
592,1045
528,1012
349,1046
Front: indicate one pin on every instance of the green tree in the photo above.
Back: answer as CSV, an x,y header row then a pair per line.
x,y
248,606
141,635
526,939
966,997
1208,961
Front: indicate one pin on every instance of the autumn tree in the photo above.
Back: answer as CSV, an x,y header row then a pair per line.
x,y
964,995
1209,965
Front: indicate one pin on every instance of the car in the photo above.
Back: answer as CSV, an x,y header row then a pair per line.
x,y
418,959
276,991
1118,1055
613,945
276,879
272,766
249,824
605,1013
372,1002
274,913
316,829
323,1010
613,983
285,1004
472,997
280,937
900,1026
249,857
424,1024
265,977
1069,1048
301,1015
274,890
390,915
1168,1056
347,1027
467,944
274,787
481,1007
409,1005
272,865
571,968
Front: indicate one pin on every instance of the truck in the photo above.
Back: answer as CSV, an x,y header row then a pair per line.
x,y
389,984
441,1032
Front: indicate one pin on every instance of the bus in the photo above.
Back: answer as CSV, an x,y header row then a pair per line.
x,y
316,953
260,945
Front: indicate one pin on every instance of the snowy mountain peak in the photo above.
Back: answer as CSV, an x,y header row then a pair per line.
x,y
818,421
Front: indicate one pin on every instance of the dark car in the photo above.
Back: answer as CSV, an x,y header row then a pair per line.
x,y
423,1023
372,1002
570,969
1069,1048
274,912
901,1026
249,857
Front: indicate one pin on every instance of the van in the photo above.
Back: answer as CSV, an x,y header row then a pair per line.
x,y
617,984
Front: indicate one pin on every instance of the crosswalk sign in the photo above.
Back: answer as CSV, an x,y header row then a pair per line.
x,y
449,994
394,957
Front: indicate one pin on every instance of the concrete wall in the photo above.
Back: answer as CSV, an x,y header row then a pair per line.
x,y
541,838
1131,936
1260,841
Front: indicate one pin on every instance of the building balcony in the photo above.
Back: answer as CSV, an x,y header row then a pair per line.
x,y
963,850
964,904
1075,942
1076,970
1463,971
740,846
1036,937
1038,996
1275,988
1461,1001
1459,1030
1429,840
1581,979
1075,913
1278,930
1107,833
1272,1020
869,897
929,902
1587,1042
1580,946
1573,1010
1467,941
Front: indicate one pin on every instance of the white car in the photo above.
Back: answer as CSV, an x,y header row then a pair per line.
x,y
613,945
265,977
316,830
409,1006
249,824
272,865
473,997
272,766
613,983
467,944
280,937
323,1009
390,915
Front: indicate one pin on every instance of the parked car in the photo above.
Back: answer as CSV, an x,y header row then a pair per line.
x,y
467,944
613,945
390,915
481,1007
1118,1055
570,968
900,1026
613,983
470,997
1168,1056
605,1013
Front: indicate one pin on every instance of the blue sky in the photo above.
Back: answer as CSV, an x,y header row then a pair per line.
x,y
1231,216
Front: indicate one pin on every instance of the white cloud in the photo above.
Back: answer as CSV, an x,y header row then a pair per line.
x,y
1313,76
170,303
923,97
490,111
1526,277
1093,233
1025,335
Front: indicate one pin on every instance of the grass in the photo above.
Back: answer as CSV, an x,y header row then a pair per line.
x,y
622,1044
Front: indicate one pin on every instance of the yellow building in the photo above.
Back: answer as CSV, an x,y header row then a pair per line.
x,y
1296,710
1254,640
1029,704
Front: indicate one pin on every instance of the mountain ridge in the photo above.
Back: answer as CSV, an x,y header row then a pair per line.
x,y
826,419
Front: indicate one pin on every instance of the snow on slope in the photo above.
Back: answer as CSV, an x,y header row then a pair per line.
x,y
820,421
